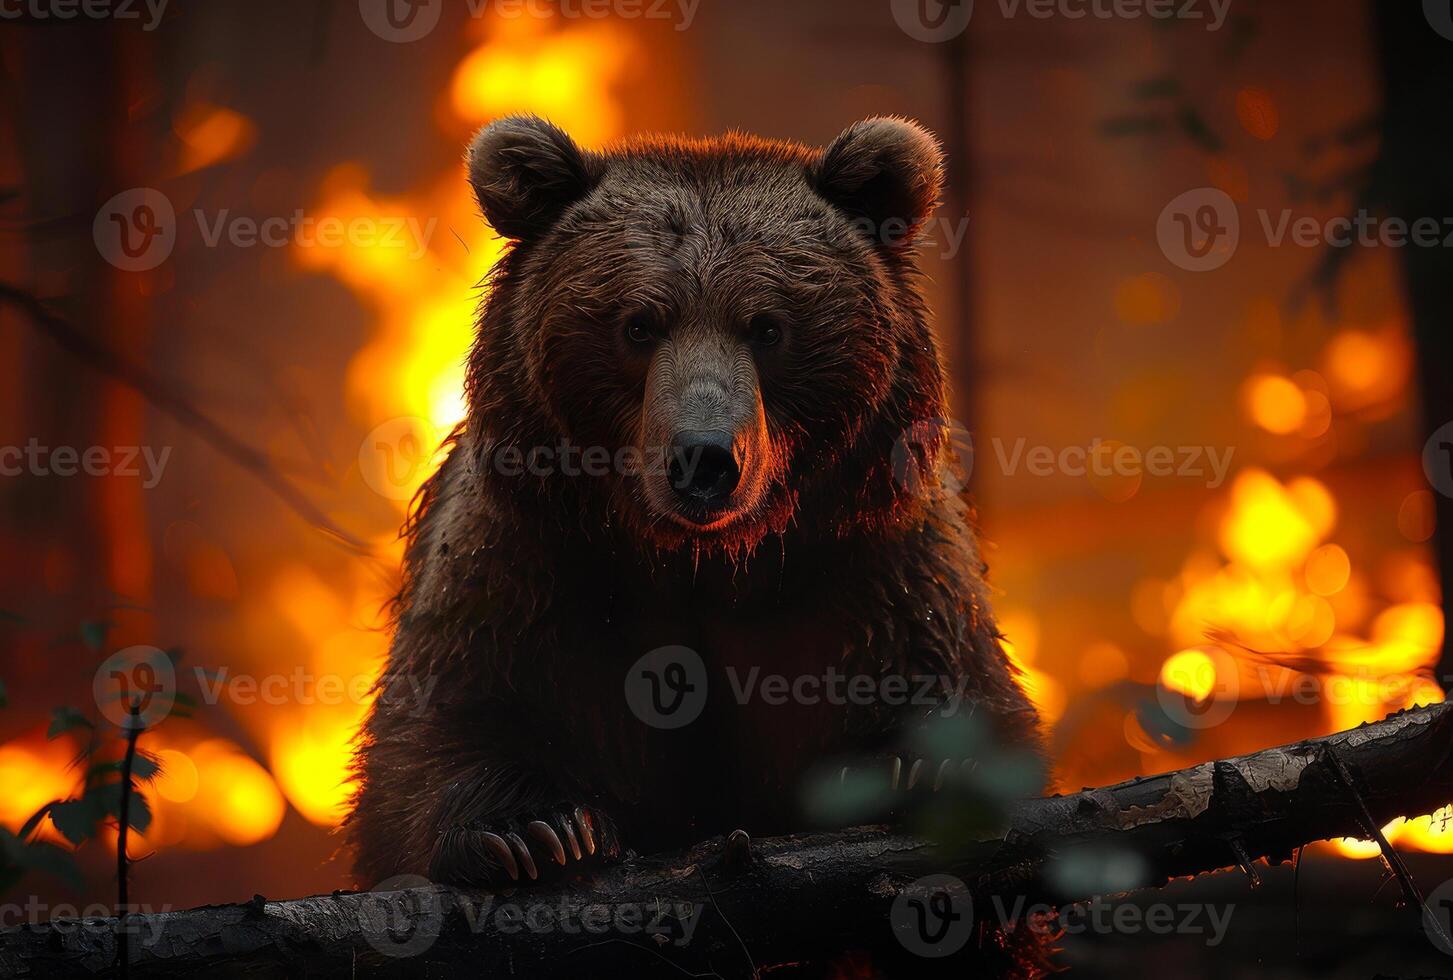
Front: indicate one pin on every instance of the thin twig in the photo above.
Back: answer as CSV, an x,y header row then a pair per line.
x,y
123,909
751,960
1243,861
177,406
1391,858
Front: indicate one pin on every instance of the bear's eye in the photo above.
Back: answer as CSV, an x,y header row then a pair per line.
x,y
766,330
640,329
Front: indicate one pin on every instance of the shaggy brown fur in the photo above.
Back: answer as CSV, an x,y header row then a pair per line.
x,y
760,288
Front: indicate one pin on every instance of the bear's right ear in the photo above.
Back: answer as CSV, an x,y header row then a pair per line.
x,y
885,171
525,172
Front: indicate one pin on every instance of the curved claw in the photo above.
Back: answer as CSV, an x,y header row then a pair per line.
x,y
570,837
943,770
587,834
522,850
501,850
546,835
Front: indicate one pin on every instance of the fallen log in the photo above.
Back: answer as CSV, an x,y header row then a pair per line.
x,y
732,908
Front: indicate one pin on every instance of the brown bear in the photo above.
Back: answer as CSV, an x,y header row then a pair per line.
x,y
704,407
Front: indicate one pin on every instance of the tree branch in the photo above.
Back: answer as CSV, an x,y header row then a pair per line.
x,y
716,911
174,404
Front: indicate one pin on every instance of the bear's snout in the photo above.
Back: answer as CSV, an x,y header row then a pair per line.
x,y
704,470
703,420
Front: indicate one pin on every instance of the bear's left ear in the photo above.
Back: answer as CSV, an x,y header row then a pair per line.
x,y
885,171
525,172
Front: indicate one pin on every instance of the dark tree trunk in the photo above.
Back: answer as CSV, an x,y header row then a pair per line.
x,y
1414,179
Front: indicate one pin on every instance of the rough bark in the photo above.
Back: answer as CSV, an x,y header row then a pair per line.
x,y
793,899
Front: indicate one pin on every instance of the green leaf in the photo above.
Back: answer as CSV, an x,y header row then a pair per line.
x,y
140,815
28,828
11,617
106,800
17,857
48,858
1130,125
144,767
75,819
93,633
64,719
1157,88
1194,126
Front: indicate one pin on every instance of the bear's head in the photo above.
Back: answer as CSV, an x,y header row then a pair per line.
x,y
711,340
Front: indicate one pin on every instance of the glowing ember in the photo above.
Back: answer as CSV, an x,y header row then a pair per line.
x,y
1275,403
34,772
1190,672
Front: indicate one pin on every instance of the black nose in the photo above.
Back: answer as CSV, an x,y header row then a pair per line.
x,y
703,469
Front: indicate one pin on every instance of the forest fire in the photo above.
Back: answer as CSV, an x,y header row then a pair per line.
x,y
405,384
1203,458
1272,577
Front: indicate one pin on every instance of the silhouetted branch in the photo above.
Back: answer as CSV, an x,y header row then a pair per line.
x,y
174,404
698,912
